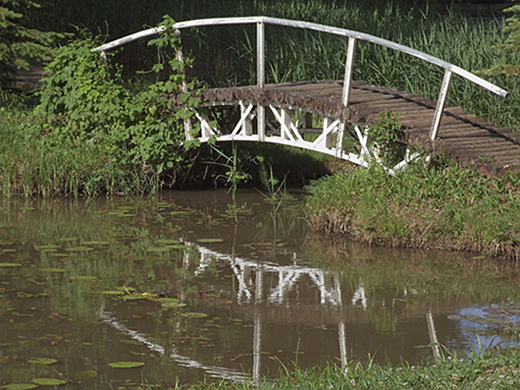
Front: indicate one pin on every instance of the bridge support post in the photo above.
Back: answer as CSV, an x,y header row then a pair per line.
x,y
440,104
261,122
339,141
329,140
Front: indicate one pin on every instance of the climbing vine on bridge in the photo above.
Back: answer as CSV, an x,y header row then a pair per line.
x,y
385,137
85,102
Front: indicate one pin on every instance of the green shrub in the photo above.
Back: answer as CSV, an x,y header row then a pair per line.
x,y
85,102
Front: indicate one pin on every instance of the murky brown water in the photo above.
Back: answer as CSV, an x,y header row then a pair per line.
x,y
207,295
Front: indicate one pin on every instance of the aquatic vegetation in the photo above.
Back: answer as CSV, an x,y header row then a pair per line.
x,y
126,364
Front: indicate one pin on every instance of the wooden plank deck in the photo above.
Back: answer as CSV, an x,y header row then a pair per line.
x,y
466,138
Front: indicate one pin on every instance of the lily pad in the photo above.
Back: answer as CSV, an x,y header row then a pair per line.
x,y
82,278
194,315
85,375
48,381
9,265
167,241
126,364
79,249
43,361
20,386
209,240
113,292
135,297
56,270
172,305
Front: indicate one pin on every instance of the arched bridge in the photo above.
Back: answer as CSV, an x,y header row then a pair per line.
x,y
335,117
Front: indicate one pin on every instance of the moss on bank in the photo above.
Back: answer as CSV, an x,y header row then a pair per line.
x,y
445,207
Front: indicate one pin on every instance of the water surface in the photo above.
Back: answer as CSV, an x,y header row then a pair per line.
x,y
196,292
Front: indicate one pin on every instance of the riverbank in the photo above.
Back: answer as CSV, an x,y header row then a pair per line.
x,y
481,371
445,207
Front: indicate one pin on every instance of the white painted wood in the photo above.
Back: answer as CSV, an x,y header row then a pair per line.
x,y
261,123
260,54
440,105
244,115
247,125
349,67
315,27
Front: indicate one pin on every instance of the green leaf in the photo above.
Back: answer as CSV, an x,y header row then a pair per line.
x,y
20,386
55,270
43,361
135,297
113,292
209,240
10,265
48,381
126,364
194,315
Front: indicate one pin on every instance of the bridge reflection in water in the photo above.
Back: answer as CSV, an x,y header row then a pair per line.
x,y
256,294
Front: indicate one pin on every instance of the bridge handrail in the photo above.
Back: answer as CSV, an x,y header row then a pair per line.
x,y
260,21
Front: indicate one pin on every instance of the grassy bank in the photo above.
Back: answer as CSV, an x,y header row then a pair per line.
x,y
30,166
445,207
481,371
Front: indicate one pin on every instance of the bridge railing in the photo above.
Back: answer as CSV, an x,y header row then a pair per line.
x,y
352,36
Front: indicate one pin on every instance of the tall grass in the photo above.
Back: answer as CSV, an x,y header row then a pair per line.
x,y
29,166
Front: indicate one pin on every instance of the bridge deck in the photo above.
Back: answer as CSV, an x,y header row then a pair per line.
x,y
466,138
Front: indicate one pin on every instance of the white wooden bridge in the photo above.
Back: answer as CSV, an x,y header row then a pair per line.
x,y
346,109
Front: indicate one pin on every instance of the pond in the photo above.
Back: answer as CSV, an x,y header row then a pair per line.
x,y
109,294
